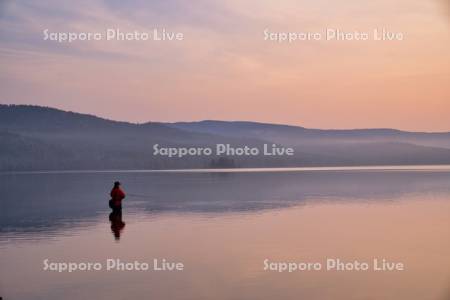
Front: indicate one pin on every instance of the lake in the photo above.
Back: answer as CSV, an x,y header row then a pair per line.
x,y
233,232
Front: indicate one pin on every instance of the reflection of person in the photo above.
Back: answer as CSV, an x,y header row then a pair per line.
x,y
117,195
117,224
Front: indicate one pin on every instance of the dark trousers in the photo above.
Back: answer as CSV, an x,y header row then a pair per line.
x,y
115,207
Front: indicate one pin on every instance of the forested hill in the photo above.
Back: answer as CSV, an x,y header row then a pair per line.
x,y
42,138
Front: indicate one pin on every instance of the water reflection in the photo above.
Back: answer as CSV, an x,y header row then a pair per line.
x,y
51,203
400,216
117,225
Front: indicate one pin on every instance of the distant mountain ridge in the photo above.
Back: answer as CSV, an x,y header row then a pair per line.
x,y
296,135
44,138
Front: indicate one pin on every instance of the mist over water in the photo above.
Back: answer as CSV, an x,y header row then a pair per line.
x,y
222,226
50,202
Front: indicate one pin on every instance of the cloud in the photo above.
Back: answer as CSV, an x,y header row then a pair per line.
x,y
223,63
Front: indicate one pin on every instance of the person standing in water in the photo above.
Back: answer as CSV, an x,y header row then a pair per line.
x,y
117,195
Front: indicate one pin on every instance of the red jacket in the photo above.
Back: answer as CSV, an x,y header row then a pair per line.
x,y
117,195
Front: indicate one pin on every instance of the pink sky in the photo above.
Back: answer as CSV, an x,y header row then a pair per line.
x,y
224,69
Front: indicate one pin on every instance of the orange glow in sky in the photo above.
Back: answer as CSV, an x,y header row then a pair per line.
x,y
225,69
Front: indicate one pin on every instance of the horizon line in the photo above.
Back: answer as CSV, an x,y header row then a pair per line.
x,y
216,120
398,168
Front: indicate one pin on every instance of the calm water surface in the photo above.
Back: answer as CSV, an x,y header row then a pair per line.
x,y
222,226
